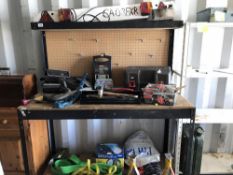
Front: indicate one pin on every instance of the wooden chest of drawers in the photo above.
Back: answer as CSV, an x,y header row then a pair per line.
x,y
8,119
10,145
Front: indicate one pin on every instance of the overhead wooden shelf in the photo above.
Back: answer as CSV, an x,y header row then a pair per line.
x,y
133,24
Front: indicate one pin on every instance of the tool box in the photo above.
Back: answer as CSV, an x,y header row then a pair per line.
x,y
110,153
160,94
139,77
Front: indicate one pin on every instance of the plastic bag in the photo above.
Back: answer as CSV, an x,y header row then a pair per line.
x,y
140,146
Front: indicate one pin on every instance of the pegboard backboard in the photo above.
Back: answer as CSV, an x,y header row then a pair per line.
x,y
73,50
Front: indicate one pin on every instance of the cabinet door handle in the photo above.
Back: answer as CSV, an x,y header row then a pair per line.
x,y
5,121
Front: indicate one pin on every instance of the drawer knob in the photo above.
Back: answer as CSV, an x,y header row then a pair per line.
x,y
4,122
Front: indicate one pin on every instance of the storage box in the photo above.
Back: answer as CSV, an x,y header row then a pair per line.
x,y
212,15
111,154
159,94
138,77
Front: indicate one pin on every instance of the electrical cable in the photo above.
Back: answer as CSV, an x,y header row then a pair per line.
x,y
152,168
94,17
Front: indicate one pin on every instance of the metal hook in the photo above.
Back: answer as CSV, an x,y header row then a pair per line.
x,y
96,40
141,40
102,54
160,40
79,54
70,39
151,55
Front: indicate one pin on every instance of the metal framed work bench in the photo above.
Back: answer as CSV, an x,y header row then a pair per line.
x,y
124,40
38,111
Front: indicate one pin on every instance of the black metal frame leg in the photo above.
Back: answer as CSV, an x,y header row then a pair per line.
x,y
52,137
190,154
166,135
23,142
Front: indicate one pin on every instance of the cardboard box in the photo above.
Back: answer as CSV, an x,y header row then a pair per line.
x,y
110,153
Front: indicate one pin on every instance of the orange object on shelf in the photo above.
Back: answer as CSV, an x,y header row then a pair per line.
x,y
146,8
